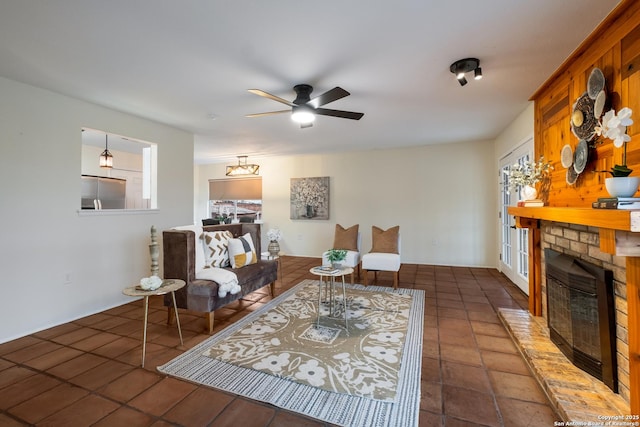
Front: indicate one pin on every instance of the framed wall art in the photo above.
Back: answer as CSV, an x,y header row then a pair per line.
x,y
310,198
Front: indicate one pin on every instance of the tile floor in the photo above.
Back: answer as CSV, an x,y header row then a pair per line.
x,y
87,372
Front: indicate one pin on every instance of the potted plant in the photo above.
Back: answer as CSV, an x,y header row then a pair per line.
x,y
335,256
525,175
614,127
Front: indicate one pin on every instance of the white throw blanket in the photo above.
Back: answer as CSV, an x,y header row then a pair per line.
x,y
227,280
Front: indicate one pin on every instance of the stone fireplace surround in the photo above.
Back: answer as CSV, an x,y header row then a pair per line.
x,y
583,242
576,395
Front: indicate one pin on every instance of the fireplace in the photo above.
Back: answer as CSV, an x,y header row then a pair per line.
x,y
581,314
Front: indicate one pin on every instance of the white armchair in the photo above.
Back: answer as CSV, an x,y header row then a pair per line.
x,y
382,257
352,260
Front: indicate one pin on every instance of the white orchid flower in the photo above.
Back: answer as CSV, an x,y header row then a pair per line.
x,y
620,139
606,119
614,126
624,115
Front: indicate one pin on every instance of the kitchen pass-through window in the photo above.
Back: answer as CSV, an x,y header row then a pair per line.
x,y
118,172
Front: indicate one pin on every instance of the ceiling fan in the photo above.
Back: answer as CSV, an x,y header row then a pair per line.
x,y
304,109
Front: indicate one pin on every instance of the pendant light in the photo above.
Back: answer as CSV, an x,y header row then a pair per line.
x,y
242,168
106,159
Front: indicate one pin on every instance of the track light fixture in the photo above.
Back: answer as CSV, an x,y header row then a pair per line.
x,y
463,66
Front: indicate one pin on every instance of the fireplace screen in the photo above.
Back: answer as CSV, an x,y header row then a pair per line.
x,y
581,314
559,303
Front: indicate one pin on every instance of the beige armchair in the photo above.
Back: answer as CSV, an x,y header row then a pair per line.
x,y
348,239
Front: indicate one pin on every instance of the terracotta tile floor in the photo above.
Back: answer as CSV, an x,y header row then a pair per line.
x,y
87,372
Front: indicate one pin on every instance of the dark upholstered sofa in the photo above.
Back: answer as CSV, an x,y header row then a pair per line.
x,y
179,260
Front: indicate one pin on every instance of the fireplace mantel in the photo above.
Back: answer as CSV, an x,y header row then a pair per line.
x,y
612,223
613,219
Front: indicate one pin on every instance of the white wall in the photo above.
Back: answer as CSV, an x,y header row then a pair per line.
x,y
45,242
519,131
442,196
515,134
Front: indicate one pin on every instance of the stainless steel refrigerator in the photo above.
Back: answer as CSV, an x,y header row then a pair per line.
x,y
100,192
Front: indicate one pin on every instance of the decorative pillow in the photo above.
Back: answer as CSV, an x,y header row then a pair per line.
x,y
216,245
385,241
242,252
346,238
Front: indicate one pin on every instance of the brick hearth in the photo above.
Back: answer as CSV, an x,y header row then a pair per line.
x,y
577,396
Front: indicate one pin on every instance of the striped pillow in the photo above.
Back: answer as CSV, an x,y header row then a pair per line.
x,y
241,251
216,252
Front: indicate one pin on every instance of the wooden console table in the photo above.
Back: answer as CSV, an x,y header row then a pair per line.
x,y
615,227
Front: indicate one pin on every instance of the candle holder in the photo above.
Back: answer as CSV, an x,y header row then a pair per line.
x,y
154,252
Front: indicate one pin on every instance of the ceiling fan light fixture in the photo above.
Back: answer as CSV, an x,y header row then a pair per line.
x,y
463,66
242,168
302,115
304,109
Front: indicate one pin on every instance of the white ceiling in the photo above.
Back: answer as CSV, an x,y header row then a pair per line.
x,y
189,64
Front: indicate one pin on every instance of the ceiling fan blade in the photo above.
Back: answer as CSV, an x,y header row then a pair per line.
x,y
329,96
268,113
339,113
273,97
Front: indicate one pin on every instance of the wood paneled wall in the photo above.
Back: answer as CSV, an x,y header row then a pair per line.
x,y
614,47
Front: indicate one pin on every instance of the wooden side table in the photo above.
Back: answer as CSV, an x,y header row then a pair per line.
x,y
168,285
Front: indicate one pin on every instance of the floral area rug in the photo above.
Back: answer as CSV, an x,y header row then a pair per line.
x,y
365,375
286,341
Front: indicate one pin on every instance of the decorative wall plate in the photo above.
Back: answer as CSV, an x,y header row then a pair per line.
x,y
577,118
572,176
595,83
566,156
586,130
598,105
581,156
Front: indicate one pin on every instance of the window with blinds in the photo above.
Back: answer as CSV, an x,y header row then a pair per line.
x,y
235,199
